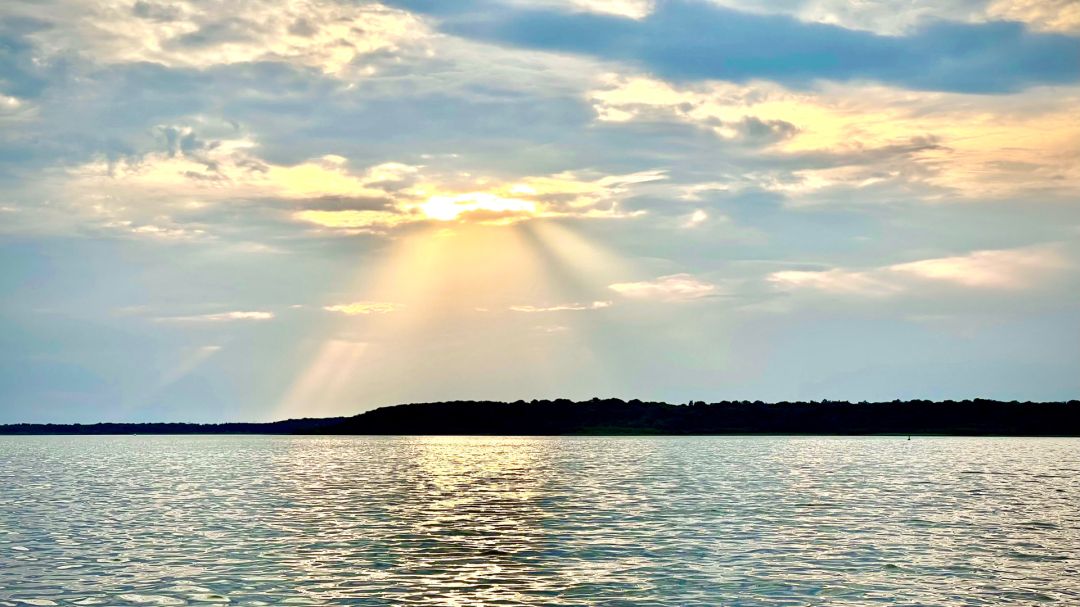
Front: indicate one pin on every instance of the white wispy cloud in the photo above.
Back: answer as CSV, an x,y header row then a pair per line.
x,y
834,280
1002,269
1005,269
671,288
569,307
359,308
237,315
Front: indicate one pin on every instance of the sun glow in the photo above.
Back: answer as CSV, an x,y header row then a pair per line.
x,y
494,208
465,284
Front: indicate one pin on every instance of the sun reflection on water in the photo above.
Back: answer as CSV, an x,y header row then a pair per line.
x,y
537,521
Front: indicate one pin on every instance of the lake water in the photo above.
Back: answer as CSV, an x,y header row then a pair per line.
x,y
252,520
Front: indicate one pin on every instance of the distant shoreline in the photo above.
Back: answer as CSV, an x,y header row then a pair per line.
x,y
614,417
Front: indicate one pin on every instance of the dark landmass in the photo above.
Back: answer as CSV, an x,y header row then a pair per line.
x,y
616,417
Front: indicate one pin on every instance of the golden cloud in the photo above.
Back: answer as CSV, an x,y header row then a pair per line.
x,y
972,146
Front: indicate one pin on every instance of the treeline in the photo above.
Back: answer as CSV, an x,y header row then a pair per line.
x,y
613,416
291,426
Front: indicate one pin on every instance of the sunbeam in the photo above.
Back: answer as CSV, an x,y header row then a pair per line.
x,y
453,301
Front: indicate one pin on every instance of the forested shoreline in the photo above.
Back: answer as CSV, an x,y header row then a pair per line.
x,y
634,417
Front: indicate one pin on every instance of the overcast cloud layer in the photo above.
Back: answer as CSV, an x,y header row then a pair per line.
x,y
251,210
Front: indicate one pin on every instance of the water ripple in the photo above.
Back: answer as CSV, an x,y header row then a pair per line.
x,y
538,521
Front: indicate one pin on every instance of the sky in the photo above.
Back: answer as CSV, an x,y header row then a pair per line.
x,y
227,210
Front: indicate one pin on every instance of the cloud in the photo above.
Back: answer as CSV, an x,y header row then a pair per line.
x,y
687,40
360,308
157,232
353,220
632,9
695,219
224,169
671,288
727,110
332,37
238,315
845,140
836,281
468,198
23,75
890,17
570,307
170,193
897,17
1006,269
1043,15
181,193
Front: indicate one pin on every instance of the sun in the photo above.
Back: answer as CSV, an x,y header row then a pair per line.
x,y
483,205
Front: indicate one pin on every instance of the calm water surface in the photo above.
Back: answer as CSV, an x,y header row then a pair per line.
x,y
251,520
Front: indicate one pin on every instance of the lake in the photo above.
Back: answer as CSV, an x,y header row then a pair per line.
x,y
262,520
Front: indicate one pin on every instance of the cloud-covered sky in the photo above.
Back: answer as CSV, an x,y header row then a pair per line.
x,y
245,209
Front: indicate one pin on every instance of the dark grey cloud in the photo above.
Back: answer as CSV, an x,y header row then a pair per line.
x,y
693,40
20,74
